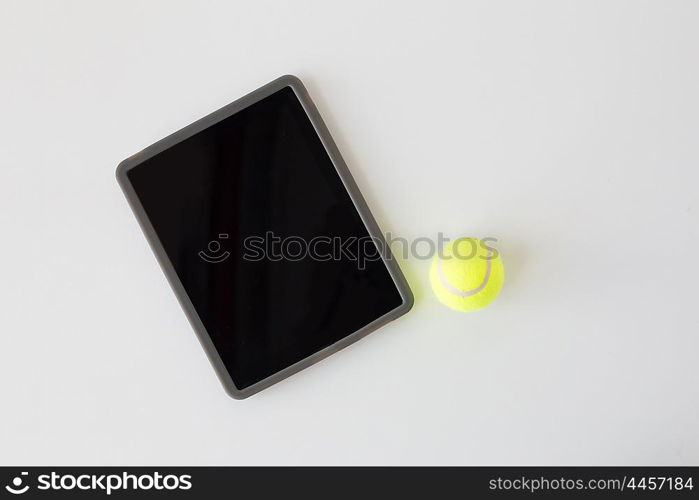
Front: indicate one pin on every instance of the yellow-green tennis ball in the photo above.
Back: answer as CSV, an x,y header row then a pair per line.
x,y
467,275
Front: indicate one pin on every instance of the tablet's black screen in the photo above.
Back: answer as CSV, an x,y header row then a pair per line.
x,y
220,199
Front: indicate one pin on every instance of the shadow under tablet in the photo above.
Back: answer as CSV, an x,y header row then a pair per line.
x,y
216,198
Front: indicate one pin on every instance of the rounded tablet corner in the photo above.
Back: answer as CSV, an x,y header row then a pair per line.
x,y
292,81
408,301
234,392
121,170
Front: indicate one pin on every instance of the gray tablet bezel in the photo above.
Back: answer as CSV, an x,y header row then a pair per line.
x,y
372,227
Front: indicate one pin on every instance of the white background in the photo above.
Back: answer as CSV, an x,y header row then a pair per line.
x,y
568,130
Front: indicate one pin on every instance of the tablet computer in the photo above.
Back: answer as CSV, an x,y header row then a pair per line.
x,y
264,237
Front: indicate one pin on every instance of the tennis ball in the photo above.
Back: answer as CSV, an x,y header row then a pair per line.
x,y
468,274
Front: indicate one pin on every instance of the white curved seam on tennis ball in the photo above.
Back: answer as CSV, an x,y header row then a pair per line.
x,y
464,293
